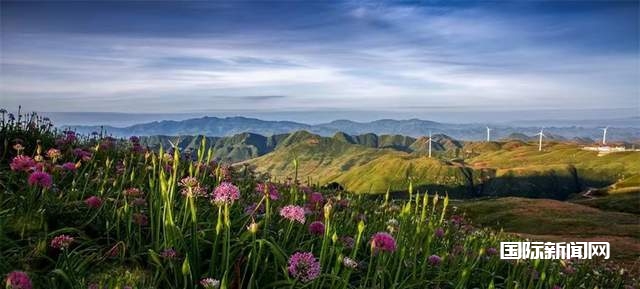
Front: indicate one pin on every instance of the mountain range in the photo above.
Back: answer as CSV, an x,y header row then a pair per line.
x,y
228,126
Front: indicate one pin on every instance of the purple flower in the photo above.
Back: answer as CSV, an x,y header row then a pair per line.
x,y
140,219
268,188
304,266
18,280
169,254
347,242
382,241
82,154
316,198
226,193
93,202
62,242
293,213
491,251
40,179
439,233
316,228
22,164
134,139
69,166
434,260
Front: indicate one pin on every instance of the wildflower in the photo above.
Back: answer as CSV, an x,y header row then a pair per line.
x,y
82,154
62,242
316,228
54,153
434,260
304,266
254,208
191,187
93,202
226,193
439,233
93,286
491,251
556,287
169,254
393,225
140,219
316,198
18,147
41,179
382,241
349,263
134,139
457,220
18,280
69,166
139,202
568,270
293,213
253,227
133,192
210,283
22,164
268,188
347,242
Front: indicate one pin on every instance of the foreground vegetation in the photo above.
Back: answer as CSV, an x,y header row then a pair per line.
x,y
96,212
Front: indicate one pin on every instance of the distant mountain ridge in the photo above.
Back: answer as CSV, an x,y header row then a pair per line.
x,y
228,126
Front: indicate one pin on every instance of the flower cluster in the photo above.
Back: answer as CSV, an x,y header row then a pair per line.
x,y
226,193
93,202
210,283
22,164
191,187
40,179
293,213
268,188
62,242
304,266
18,280
316,228
382,241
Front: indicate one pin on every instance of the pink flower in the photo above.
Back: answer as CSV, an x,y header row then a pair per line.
x,y
22,164
62,242
268,188
434,260
133,192
293,213
226,193
54,153
304,266
69,166
491,251
40,179
191,187
439,233
316,228
382,241
93,202
18,280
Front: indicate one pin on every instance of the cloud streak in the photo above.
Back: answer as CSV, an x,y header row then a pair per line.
x,y
346,56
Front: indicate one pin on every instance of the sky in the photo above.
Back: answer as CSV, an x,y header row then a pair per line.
x,y
305,60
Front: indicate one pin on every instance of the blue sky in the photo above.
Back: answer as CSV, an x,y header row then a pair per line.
x,y
200,57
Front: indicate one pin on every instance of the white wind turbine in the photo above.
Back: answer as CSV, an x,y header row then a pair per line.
x,y
604,135
488,134
429,140
540,141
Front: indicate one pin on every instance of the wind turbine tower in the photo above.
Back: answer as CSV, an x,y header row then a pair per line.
x,y
604,135
540,141
488,134
429,140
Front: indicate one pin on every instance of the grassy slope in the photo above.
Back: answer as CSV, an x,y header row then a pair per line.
x,y
543,219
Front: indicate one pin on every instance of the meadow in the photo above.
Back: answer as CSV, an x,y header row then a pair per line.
x,y
97,212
